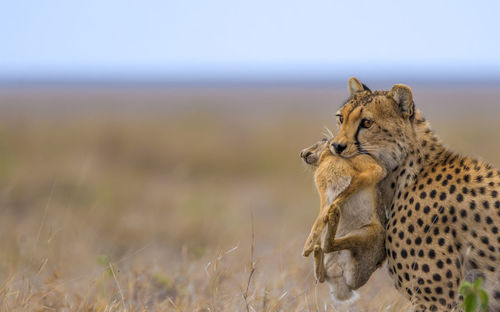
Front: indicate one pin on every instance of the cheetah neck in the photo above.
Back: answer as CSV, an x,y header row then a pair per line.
x,y
428,148
423,151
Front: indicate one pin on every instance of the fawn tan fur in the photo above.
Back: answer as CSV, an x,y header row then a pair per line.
x,y
348,194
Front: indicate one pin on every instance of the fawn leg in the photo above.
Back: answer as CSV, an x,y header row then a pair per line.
x,y
363,236
333,222
340,200
314,237
319,265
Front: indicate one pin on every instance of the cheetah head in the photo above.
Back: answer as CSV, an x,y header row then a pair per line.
x,y
378,123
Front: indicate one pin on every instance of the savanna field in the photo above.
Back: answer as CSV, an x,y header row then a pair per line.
x,y
183,199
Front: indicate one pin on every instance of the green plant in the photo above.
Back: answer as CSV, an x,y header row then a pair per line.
x,y
475,296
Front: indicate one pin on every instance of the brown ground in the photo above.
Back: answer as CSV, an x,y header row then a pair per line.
x,y
143,197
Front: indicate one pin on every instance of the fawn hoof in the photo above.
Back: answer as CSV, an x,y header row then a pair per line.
x,y
309,246
307,251
319,266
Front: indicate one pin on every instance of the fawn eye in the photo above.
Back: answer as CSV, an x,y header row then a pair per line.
x,y
341,118
366,123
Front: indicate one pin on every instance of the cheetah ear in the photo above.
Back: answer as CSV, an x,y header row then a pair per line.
x,y
401,94
356,86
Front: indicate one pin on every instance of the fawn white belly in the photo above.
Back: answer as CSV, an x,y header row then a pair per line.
x,y
340,266
356,212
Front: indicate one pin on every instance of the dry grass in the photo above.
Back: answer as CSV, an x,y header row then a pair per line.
x,y
148,206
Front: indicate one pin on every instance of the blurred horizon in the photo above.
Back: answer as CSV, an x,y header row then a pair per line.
x,y
285,77
236,42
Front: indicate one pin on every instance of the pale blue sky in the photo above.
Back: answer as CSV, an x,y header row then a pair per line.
x,y
114,38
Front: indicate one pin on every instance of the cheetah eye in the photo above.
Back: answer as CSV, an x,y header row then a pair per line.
x,y
341,118
366,123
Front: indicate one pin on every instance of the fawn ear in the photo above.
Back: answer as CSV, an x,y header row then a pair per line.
x,y
401,94
356,86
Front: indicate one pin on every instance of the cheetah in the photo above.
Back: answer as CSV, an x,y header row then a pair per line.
x,y
443,208
347,189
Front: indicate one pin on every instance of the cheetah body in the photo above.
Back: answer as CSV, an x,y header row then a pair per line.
x,y
443,208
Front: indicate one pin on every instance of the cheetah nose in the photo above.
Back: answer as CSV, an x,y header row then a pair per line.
x,y
305,154
339,147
